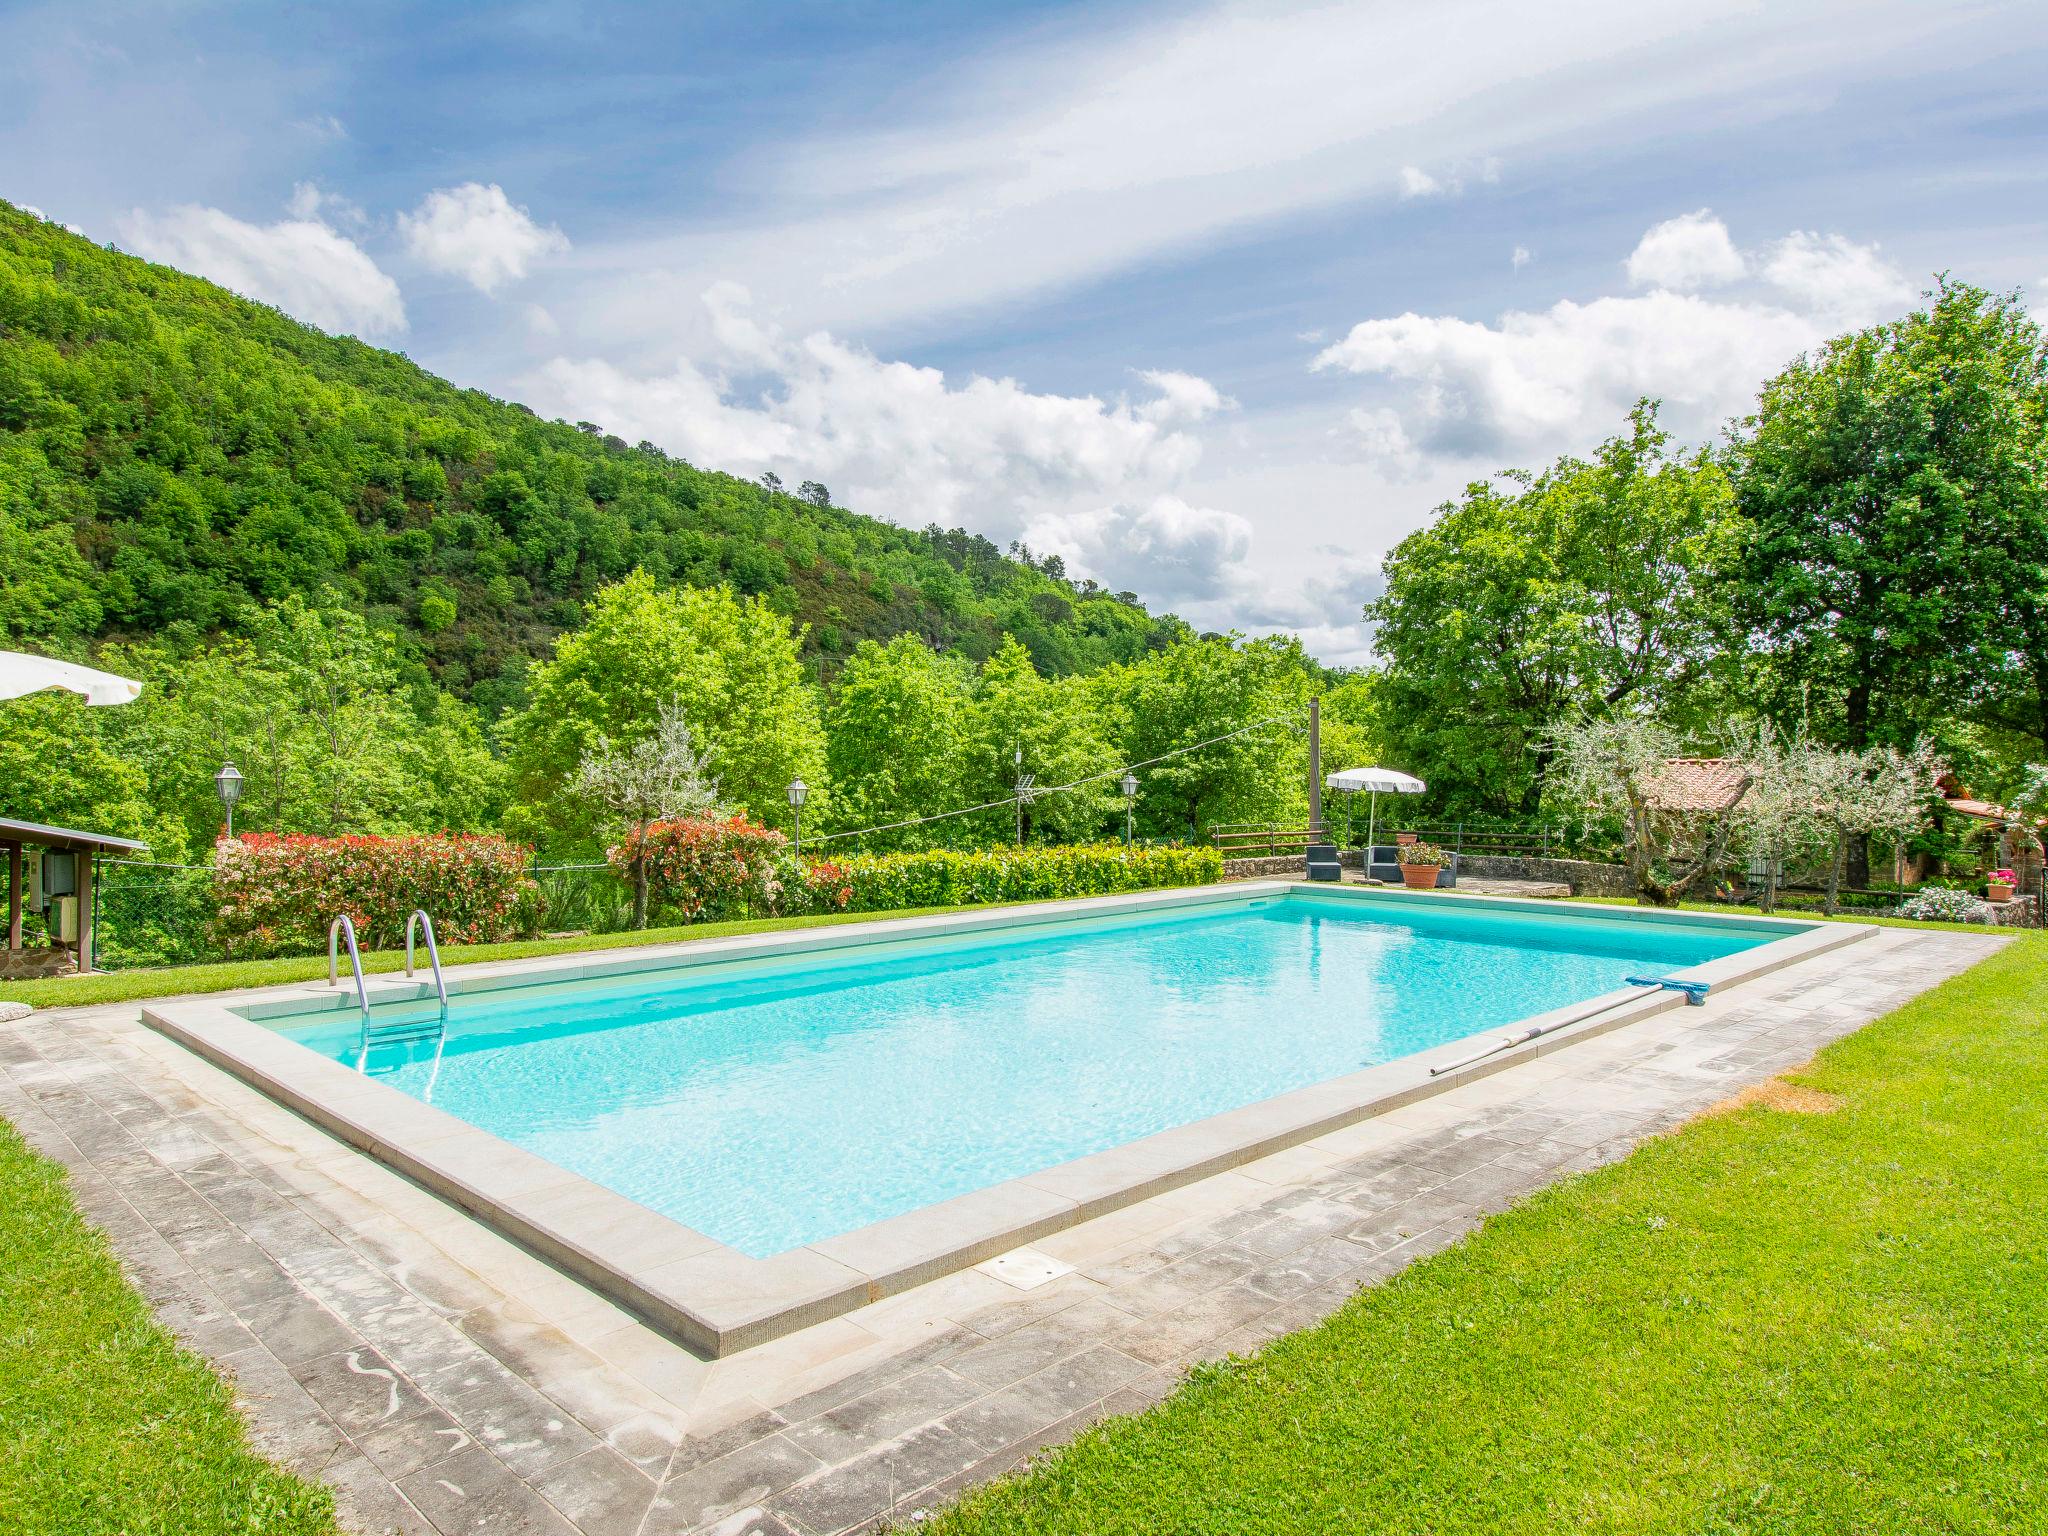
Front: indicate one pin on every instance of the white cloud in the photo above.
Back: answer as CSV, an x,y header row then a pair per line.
x,y
1184,398
1380,436
300,265
475,232
1536,384
1565,375
1416,182
1835,277
1170,551
1521,257
309,200
1094,481
1688,252
891,439
1050,163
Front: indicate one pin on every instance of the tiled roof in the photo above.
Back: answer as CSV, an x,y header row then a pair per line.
x,y
1696,784
1983,808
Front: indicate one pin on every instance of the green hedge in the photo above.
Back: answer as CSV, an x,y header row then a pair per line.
x,y
942,878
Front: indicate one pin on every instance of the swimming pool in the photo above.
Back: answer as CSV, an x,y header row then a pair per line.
x,y
736,1138
732,1098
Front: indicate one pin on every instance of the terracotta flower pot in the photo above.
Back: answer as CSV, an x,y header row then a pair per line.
x,y
1406,839
1998,893
1420,877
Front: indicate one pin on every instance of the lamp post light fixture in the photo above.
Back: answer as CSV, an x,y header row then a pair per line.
x,y
229,782
797,790
1130,789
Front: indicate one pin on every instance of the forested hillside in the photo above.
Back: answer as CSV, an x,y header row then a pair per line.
x,y
170,452
400,606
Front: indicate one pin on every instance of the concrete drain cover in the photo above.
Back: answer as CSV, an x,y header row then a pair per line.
x,y
1025,1268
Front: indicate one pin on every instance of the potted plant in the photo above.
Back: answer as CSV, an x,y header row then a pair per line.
x,y
2001,884
1420,863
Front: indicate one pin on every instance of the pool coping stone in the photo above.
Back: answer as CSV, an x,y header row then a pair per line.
x,y
717,1300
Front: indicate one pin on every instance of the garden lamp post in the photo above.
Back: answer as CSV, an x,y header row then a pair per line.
x,y
1130,789
797,790
1023,793
229,782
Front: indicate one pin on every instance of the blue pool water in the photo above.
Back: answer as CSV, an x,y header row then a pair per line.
x,y
771,1103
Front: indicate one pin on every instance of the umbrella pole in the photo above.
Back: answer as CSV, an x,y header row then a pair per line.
x,y
1372,817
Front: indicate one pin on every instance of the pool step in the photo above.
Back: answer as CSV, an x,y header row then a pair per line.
x,y
403,1030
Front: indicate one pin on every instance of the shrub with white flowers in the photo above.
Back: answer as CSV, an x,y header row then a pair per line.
x,y
1945,906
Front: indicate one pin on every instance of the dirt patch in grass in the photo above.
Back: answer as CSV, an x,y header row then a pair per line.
x,y
1776,1093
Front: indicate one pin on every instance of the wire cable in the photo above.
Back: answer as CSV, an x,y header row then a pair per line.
x,y
1035,792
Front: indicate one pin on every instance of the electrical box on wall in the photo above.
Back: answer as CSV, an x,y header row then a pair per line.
x,y
59,875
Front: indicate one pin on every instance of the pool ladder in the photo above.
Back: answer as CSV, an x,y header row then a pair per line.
x,y
401,1031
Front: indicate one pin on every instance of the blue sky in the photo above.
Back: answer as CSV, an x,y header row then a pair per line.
x,y
1216,301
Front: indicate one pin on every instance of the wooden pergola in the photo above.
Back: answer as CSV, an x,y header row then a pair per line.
x,y
18,836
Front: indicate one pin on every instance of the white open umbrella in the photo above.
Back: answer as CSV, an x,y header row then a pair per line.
x,y
1375,781
21,673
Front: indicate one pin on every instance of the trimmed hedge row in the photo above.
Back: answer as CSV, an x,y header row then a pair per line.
x,y
943,878
276,894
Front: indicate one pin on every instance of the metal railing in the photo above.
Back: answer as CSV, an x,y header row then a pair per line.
x,y
335,930
419,916
1249,839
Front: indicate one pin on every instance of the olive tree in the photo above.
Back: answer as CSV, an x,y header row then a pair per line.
x,y
660,777
1878,792
1783,817
1619,766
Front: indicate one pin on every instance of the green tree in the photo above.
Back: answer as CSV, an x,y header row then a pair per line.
x,y
1540,597
729,662
59,771
1056,727
1254,693
315,709
1890,488
894,734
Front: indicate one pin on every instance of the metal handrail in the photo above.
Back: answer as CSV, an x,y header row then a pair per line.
x,y
419,916
335,929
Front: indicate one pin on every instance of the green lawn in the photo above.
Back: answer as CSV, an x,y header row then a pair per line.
x,y
1769,1322
107,1425
227,976
1766,1323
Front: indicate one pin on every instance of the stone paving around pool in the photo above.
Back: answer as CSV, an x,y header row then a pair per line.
x,y
443,1380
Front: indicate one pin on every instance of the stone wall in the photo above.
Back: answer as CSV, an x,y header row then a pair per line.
x,y
34,960
1583,876
1279,865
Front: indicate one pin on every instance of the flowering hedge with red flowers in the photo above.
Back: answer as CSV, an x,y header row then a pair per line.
x,y
823,886
706,866
277,894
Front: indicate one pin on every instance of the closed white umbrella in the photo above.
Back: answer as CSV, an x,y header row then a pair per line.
x,y
21,673
1376,781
